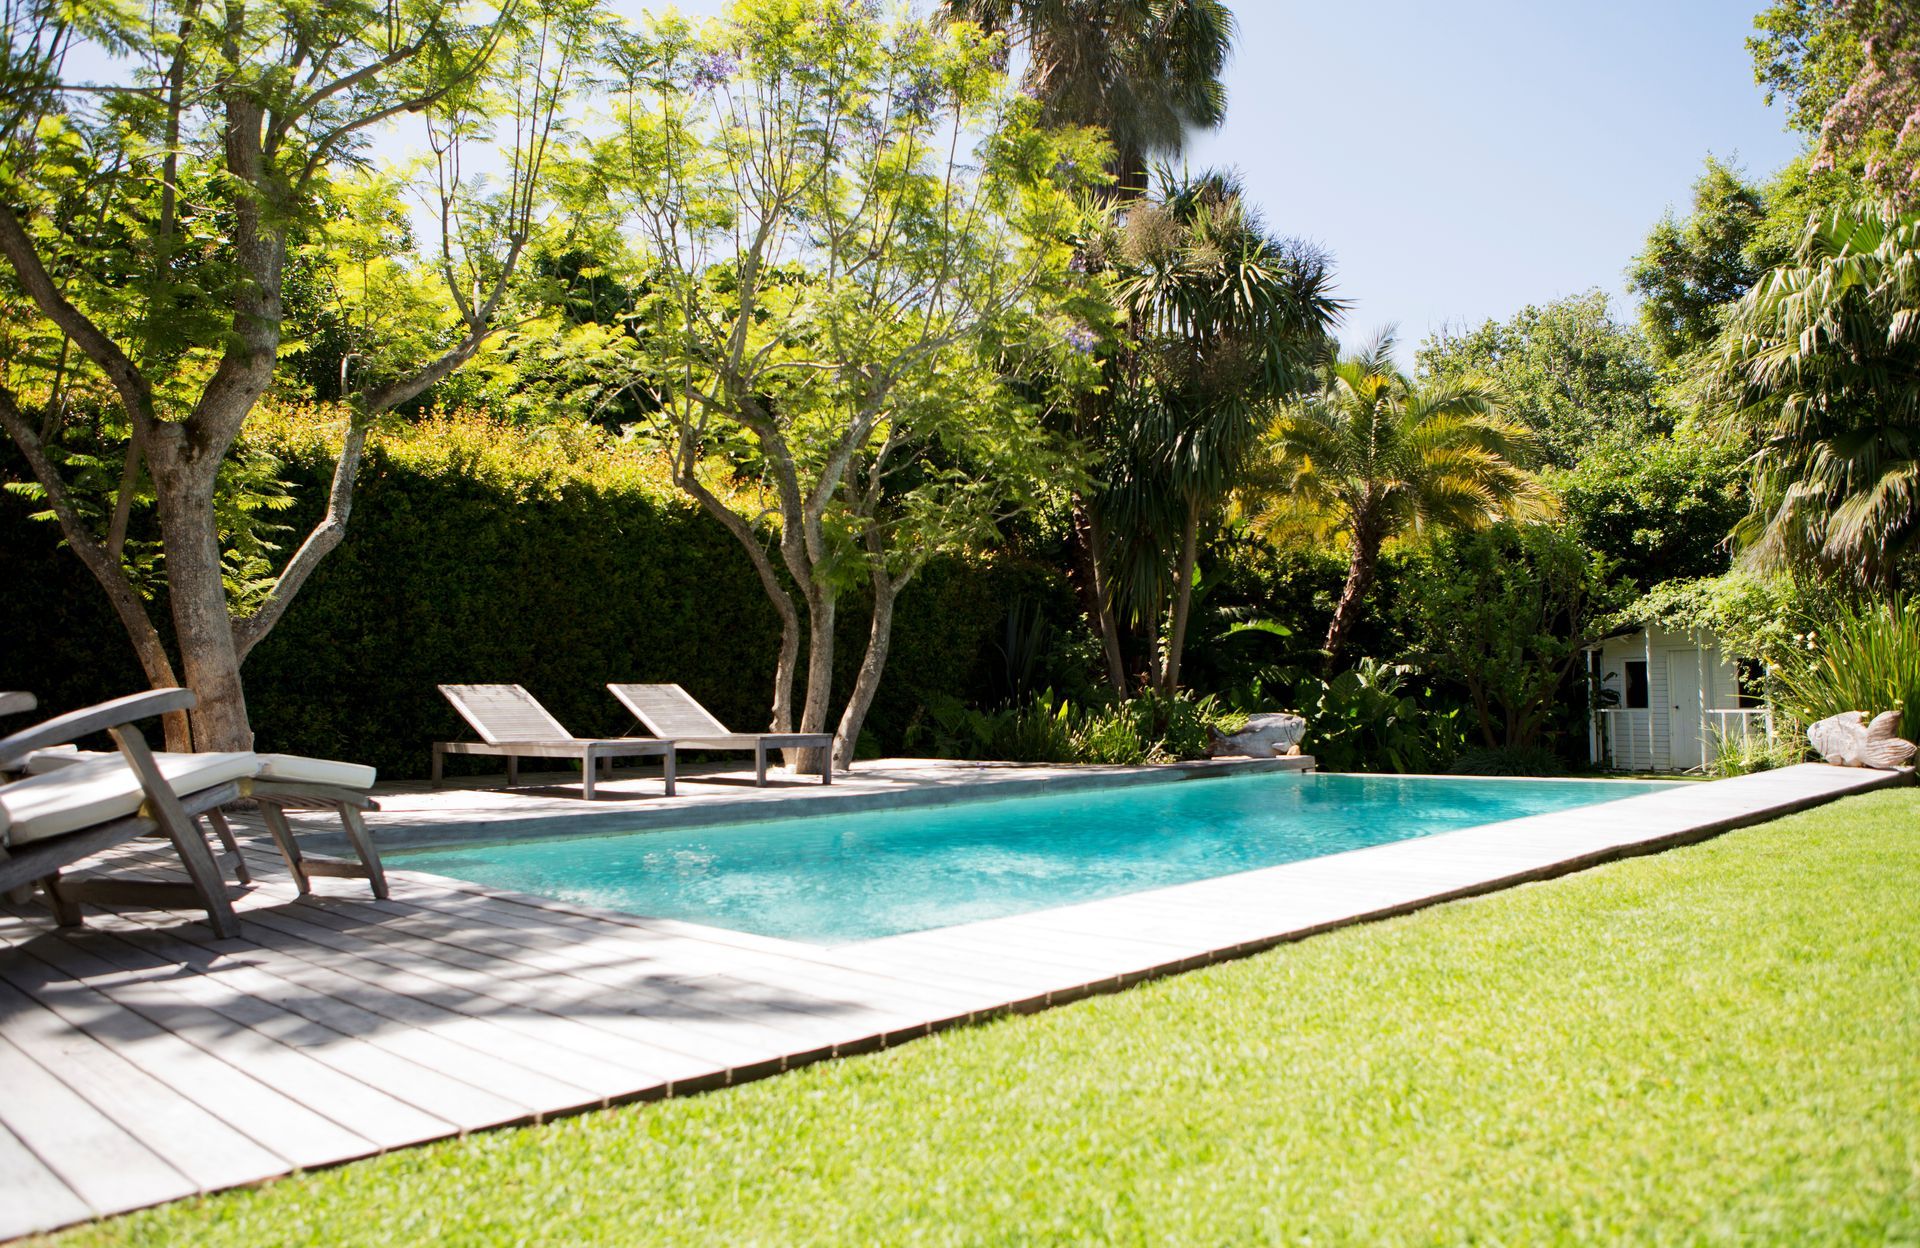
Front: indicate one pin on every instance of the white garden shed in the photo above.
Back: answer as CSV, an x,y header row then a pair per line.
x,y
1667,698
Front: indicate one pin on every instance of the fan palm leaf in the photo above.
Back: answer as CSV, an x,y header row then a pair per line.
x,y
1820,363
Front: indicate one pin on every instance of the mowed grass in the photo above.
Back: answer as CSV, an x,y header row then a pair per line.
x,y
1717,1045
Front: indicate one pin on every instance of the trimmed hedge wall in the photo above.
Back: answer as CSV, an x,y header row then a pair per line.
x,y
476,554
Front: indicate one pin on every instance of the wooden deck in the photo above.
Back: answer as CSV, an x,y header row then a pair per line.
x,y
142,1059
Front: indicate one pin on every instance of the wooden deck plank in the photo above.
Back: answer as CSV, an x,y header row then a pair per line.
x,y
291,1051
746,985
300,1134
342,962
465,981
101,1164
32,1197
413,1027
206,1150
713,1014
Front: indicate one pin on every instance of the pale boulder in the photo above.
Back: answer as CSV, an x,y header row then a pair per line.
x,y
1264,736
1848,740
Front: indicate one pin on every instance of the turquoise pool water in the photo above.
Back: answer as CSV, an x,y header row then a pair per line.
x,y
834,878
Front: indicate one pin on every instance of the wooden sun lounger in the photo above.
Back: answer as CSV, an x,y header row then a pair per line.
x,y
49,822
513,725
668,711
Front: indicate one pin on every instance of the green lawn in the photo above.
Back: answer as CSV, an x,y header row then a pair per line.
x,y
1717,1045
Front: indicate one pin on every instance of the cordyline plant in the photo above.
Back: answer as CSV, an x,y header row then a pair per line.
x,y
848,218
147,225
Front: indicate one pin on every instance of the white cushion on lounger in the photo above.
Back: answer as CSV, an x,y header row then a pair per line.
x,y
296,769
96,790
289,768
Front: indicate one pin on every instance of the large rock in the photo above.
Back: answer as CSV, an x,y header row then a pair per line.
x,y
1265,736
1848,740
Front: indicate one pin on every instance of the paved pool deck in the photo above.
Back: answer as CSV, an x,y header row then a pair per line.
x,y
143,1059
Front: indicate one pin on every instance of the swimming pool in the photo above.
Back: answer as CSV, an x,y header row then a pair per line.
x,y
829,879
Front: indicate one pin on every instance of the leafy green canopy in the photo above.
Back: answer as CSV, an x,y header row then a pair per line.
x,y
1374,455
841,218
1566,370
1507,613
150,223
1218,320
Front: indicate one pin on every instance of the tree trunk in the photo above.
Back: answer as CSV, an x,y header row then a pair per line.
x,y
1366,550
789,660
821,603
1096,597
873,665
209,657
1183,597
105,566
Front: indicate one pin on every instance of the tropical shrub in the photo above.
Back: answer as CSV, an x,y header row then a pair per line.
x,y
1821,363
1365,720
1506,614
1151,728
1867,660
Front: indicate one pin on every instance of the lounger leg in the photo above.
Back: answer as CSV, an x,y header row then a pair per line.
x,y
224,831
363,845
667,768
289,848
66,911
164,806
513,772
826,772
439,762
760,764
586,774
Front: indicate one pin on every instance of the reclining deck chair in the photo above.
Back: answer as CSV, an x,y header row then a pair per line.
x,y
669,711
513,726
50,821
280,783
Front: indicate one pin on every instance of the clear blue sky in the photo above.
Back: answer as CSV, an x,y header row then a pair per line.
x,y
1464,160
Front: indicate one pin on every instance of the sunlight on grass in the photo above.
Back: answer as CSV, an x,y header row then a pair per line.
x,y
1713,1045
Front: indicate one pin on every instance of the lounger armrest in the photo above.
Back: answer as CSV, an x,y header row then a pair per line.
x,y
63,729
16,702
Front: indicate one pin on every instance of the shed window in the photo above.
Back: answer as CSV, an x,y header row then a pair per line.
x,y
1636,684
1753,683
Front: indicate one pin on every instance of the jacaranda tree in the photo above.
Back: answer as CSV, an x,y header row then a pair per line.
x,y
149,221
848,217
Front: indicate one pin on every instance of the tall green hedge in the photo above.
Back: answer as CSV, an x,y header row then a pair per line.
x,y
483,555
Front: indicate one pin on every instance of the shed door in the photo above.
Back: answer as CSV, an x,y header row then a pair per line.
x,y
1684,744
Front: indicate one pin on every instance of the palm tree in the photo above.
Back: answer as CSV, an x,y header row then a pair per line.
x,y
1145,71
1821,361
1222,319
1148,73
1375,454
